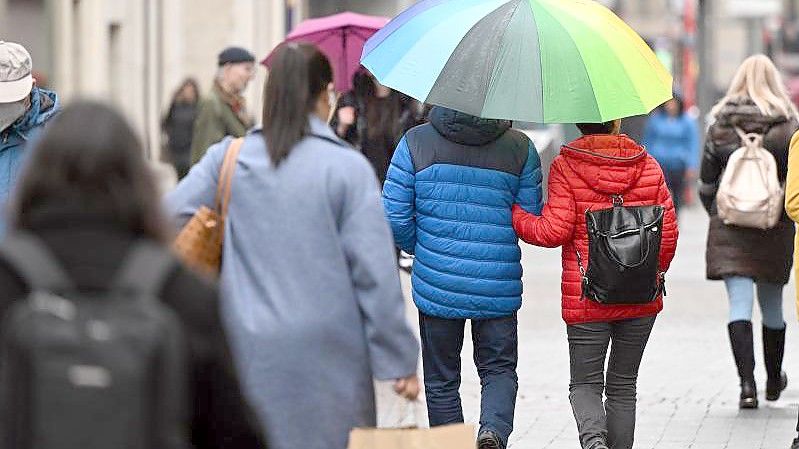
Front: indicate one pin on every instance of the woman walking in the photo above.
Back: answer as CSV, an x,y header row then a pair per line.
x,y
309,334
600,171
179,125
745,258
89,198
373,118
672,138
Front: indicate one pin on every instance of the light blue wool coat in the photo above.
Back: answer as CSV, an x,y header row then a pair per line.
x,y
310,288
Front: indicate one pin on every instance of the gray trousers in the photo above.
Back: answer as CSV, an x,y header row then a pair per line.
x,y
614,421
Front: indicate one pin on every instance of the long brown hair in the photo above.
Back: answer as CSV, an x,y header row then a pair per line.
x,y
299,73
89,152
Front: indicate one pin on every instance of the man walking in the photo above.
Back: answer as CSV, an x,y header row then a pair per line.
x,y
223,112
24,110
448,196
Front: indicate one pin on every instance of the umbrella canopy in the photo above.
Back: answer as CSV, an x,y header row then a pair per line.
x,y
545,61
341,38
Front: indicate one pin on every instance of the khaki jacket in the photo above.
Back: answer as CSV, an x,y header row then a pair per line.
x,y
215,120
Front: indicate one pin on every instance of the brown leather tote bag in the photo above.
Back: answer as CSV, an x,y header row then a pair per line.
x,y
199,243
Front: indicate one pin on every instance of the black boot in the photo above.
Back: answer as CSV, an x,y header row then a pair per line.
x,y
744,353
773,351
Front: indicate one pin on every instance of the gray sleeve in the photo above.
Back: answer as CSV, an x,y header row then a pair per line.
x,y
369,249
198,188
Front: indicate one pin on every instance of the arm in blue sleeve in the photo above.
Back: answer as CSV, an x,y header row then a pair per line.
x,y
693,144
530,196
649,133
198,188
399,198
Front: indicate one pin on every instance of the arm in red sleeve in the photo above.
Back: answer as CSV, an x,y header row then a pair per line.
x,y
668,243
555,225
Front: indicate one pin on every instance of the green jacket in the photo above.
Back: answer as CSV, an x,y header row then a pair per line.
x,y
215,120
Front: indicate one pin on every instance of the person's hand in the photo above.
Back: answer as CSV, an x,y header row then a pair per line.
x,y
408,387
346,115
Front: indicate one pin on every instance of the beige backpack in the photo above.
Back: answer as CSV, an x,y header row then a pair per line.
x,y
750,194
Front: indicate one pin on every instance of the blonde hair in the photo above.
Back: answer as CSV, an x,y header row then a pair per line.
x,y
759,80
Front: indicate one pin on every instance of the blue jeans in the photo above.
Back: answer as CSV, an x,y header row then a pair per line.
x,y
740,291
495,355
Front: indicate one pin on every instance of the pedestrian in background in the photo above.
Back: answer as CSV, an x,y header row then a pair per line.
x,y
672,138
312,293
448,197
92,190
373,118
745,258
596,172
179,125
24,111
223,112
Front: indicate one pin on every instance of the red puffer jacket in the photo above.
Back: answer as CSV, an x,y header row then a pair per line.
x,y
584,176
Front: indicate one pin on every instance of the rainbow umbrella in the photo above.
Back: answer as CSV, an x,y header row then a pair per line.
x,y
545,61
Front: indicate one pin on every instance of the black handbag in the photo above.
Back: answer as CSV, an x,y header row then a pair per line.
x,y
623,254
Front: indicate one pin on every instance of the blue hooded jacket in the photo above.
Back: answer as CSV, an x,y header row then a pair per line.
x,y
673,141
448,197
14,140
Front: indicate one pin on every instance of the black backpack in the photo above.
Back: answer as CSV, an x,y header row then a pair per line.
x,y
83,370
623,254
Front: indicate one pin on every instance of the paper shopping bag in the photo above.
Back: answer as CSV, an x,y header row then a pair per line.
x,y
455,436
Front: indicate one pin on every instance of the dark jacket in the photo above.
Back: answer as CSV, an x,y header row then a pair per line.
x,y
179,127
377,141
735,251
448,197
91,250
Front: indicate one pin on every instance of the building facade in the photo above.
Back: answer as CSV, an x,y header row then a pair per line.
x,y
134,53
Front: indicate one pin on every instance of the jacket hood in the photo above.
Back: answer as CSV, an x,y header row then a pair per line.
x,y
44,105
744,114
608,163
465,129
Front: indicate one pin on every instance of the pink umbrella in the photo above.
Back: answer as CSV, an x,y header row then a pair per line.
x,y
340,37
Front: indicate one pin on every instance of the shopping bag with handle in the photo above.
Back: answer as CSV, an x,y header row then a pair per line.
x,y
455,436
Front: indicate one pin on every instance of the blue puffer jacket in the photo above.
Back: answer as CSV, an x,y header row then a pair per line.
x,y
448,197
13,141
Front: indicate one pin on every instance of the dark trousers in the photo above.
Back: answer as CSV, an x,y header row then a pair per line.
x,y
675,181
495,355
614,421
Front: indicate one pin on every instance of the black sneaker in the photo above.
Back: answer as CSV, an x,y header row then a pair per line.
x,y
488,439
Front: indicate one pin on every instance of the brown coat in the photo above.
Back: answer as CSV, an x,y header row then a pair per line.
x,y
733,251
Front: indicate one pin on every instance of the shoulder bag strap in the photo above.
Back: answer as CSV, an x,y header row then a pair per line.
x,y
226,177
145,270
34,262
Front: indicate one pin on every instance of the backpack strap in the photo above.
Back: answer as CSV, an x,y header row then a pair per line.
x,y
144,270
750,140
34,262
